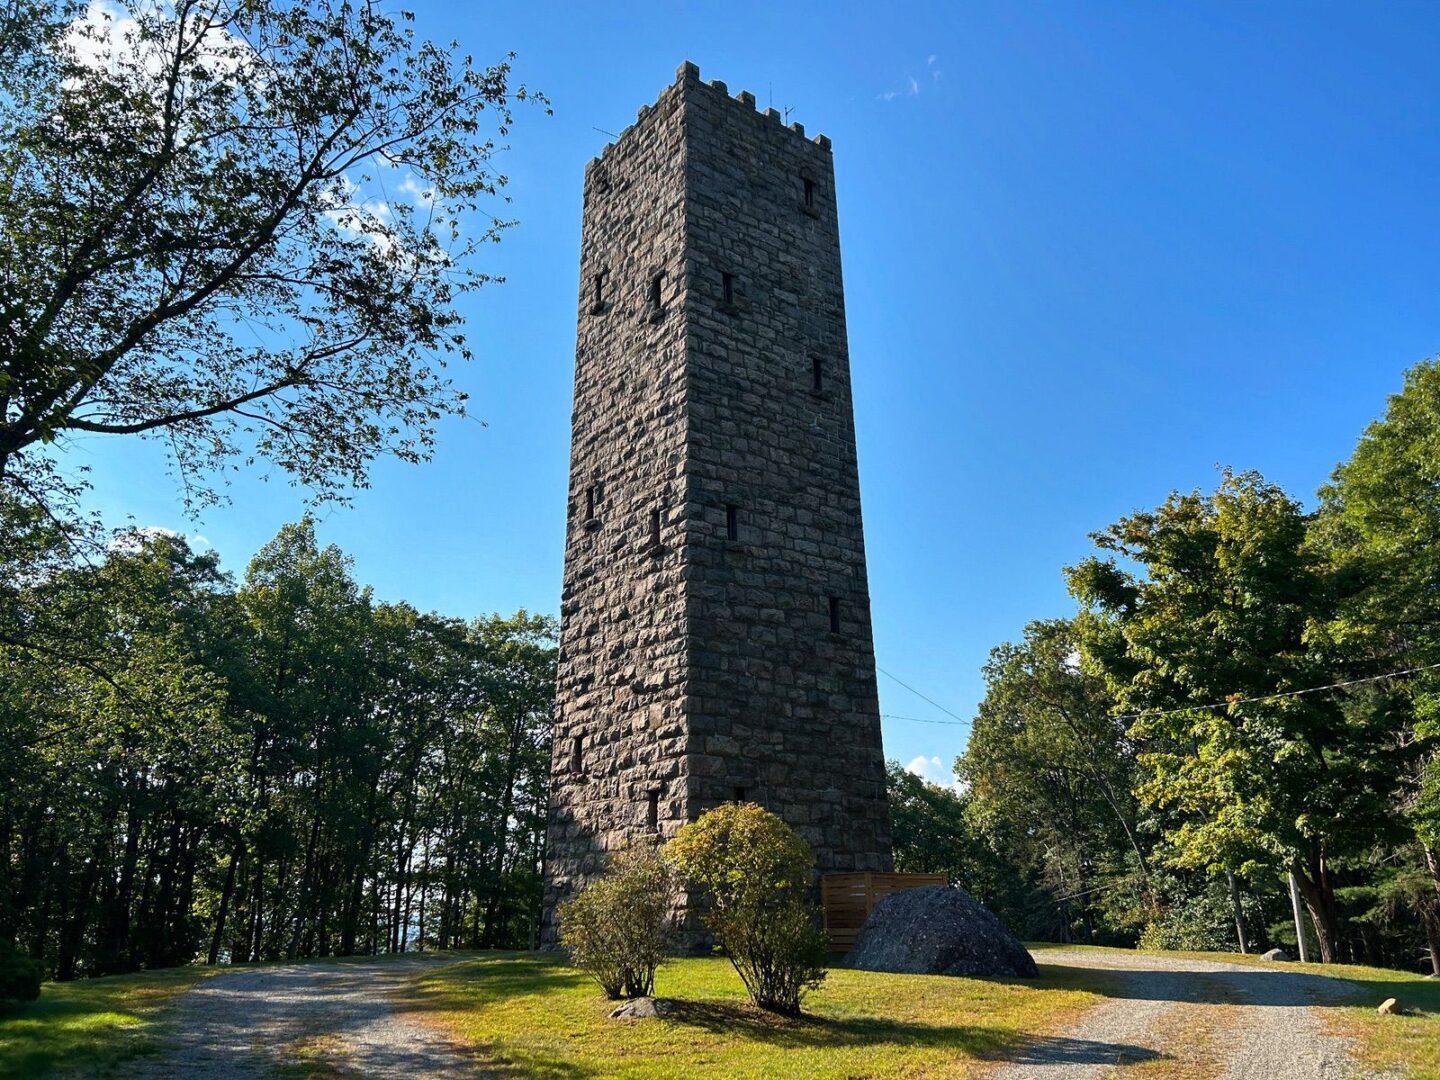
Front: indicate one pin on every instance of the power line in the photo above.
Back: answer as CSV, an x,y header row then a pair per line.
x,y
920,720
957,718
1277,696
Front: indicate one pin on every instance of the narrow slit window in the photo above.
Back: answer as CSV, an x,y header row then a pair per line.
x,y
654,528
809,191
599,290
732,522
577,755
834,614
590,500
652,812
739,794
657,285
817,373
727,288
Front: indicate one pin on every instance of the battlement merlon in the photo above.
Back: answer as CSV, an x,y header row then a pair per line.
x,y
690,73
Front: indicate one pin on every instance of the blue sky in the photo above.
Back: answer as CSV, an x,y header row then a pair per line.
x,y
1091,252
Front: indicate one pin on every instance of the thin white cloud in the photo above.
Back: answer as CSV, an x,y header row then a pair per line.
x,y
423,197
911,85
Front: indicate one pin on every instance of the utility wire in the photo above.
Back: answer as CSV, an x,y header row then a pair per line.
x,y
1076,896
1276,697
920,720
957,719
958,722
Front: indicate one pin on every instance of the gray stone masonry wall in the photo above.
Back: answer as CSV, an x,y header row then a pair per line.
x,y
703,668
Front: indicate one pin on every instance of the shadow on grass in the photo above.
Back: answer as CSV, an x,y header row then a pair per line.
x,y
1281,986
74,1025
493,977
746,1022
505,977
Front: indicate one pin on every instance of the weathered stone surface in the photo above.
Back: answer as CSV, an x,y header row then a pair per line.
x,y
938,930
1389,1007
1275,954
714,504
645,1008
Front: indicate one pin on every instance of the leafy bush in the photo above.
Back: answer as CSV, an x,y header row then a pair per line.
x,y
19,976
1201,923
618,929
754,871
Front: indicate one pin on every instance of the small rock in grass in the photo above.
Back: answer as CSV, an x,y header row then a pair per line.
x,y
1275,954
1389,1007
646,1008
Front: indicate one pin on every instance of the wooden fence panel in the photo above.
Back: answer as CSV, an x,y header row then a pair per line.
x,y
848,900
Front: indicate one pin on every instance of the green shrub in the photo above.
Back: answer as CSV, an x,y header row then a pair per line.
x,y
19,976
1202,923
754,871
619,928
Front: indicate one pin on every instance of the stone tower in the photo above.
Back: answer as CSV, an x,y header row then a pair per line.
x,y
715,635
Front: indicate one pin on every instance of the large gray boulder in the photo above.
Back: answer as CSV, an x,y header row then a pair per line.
x,y
937,930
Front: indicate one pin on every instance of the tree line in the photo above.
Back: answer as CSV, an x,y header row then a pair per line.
x,y
195,768
1246,695
203,242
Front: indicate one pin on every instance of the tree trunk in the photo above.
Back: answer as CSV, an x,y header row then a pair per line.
x,y
1432,940
225,893
502,832
1239,914
1300,945
302,907
1318,892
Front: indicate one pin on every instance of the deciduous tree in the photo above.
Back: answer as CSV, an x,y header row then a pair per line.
x,y
240,226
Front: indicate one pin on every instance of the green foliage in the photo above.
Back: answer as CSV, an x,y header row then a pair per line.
x,y
1051,775
927,826
1380,524
195,242
742,856
778,950
1203,922
1224,605
754,871
194,770
19,976
1124,762
619,928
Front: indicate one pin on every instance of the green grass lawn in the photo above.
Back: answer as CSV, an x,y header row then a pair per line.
x,y
527,1014
89,1023
530,1015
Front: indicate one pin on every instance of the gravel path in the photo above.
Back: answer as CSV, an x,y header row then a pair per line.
x,y
1204,1018
338,1015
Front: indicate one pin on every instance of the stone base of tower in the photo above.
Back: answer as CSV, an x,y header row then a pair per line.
x,y
581,856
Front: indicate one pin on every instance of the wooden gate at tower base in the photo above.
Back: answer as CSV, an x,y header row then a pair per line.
x,y
848,900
